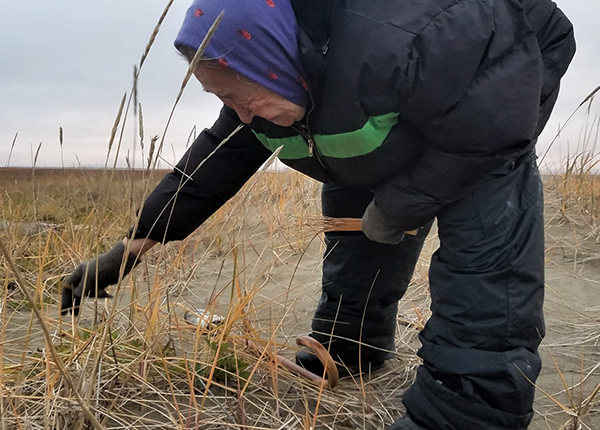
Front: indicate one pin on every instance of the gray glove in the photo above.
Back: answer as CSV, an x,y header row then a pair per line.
x,y
380,228
82,282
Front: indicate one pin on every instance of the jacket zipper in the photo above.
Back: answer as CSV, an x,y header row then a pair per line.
x,y
308,138
308,135
312,149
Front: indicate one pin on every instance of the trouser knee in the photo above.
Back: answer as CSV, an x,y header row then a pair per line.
x,y
362,281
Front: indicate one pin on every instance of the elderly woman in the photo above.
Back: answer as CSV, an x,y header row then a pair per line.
x,y
407,111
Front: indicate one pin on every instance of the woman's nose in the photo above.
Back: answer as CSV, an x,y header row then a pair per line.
x,y
245,114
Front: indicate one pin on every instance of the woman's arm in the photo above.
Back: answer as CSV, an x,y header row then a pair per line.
x,y
190,194
139,247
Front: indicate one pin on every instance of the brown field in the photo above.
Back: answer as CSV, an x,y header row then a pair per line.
x,y
136,363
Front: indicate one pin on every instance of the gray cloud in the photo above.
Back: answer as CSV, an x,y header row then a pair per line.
x,y
581,79
67,64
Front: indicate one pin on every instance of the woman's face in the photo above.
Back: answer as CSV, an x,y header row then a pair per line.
x,y
247,98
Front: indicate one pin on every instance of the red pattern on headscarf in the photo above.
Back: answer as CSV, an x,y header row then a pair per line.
x,y
245,34
302,82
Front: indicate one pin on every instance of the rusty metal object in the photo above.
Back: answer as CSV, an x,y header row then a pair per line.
x,y
323,355
199,318
316,348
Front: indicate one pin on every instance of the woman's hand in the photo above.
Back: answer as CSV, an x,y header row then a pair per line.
x,y
92,277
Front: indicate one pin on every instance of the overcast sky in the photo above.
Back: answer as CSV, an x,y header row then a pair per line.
x,y
67,63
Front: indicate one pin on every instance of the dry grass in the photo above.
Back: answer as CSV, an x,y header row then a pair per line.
x,y
572,349
576,183
139,364
136,361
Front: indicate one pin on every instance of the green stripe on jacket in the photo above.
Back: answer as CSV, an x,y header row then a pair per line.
x,y
344,145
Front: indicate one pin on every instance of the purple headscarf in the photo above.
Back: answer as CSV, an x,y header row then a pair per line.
x,y
256,38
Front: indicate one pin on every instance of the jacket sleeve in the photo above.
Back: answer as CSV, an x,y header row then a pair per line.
x,y
176,207
555,37
472,88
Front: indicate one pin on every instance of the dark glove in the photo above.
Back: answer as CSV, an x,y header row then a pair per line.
x,y
82,282
379,227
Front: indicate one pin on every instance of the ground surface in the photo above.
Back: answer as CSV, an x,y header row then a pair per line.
x,y
253,260
571,346
572,316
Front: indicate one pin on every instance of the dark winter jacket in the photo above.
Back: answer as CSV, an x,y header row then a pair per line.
x,y
415,100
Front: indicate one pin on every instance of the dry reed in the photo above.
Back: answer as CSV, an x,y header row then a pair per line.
x,y
326,224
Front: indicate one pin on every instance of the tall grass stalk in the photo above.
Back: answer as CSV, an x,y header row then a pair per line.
x,y
48,338
12,146
60,142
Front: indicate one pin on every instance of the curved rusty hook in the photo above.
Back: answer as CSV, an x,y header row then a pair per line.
x,y
319,350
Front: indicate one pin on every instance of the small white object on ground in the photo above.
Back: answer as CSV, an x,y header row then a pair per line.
x,y
202,318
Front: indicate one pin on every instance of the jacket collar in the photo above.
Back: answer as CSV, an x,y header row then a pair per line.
x,y
313,18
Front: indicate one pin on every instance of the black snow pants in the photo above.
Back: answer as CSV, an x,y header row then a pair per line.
x,y
479,348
